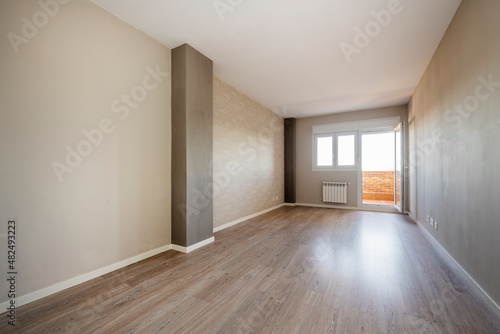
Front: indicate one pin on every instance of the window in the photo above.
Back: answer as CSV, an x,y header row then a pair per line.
x,y
346,150
337,146
336,150
324,155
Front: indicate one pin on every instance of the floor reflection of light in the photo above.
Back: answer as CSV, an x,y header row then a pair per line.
x,y
322,251
379,263
333,259
371,261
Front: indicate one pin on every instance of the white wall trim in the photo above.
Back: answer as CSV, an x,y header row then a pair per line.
x,y
191,248
477,288
362,208
31,297
39,294
327,206
237,221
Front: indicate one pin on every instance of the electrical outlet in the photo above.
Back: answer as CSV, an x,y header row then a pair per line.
x,y
436,225
431,222
428,219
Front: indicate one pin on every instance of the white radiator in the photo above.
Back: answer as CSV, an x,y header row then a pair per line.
x,y
335,192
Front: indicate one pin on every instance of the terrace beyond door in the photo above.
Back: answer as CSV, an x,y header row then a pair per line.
x,y
382,168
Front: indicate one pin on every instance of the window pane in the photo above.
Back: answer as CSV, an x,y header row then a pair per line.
x,y
324,151
346,150
378,152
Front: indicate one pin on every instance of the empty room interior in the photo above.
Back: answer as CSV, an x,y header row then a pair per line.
x,y
231,166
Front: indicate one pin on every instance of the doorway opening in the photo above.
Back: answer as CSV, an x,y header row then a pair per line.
x,y
378,161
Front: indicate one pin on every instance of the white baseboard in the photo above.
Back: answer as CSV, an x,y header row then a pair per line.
x,y
39,294
31,297
235,222
477,288
372,209
326,206
186,250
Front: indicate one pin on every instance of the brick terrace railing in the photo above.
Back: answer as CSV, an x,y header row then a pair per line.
x,y
378,186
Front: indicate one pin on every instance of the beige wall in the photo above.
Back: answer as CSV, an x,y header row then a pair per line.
x,y
309,182
248,155
455,158
115,203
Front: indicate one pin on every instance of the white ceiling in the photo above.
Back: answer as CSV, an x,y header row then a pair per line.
x,y
286,54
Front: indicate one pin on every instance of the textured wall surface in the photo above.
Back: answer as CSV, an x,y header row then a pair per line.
x,y
248,156
455,143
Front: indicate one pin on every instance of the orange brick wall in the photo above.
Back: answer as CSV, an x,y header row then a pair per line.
x,y
398,182
378,185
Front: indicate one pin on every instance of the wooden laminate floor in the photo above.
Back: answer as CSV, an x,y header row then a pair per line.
x,y
293,270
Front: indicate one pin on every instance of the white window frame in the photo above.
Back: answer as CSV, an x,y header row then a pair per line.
x,y
356,156
346,128
335,166
315,151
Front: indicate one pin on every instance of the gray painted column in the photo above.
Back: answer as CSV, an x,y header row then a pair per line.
x,y
290,192
192,146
